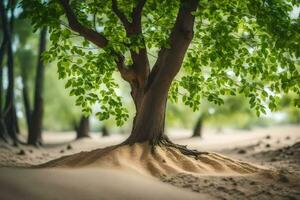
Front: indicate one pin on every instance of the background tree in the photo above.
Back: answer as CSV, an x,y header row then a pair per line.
x,y
3,130
36,115
83,127
105,131
292,114
197,132
225,48
32,78
9,124
234,107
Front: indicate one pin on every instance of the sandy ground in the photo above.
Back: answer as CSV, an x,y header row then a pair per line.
x,y
85,184
276,148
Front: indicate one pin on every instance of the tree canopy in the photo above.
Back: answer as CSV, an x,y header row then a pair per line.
x,y
249,47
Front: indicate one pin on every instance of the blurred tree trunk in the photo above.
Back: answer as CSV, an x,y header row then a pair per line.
x,y
12,5
105,131
3,130
36,122
18,131
10,110
83,129
26,101
198,127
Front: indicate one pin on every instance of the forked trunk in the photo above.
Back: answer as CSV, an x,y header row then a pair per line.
x,y
149,121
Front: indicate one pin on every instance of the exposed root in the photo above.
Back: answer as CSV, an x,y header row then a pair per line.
x,y
182,148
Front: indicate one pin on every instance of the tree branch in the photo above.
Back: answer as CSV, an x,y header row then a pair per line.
x,y
120,14
137,12
170,60
127,74
140,68
139,7
140,59
75,25
94,21
96,38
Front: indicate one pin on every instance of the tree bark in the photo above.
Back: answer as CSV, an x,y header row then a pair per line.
x,y
198,127
35,133
83,130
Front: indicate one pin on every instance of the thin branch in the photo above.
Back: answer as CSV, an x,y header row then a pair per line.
x,y
137,17
120,14
96,38
94,20
87,33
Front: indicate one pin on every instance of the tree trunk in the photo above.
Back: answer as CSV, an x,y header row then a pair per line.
x,y
105,132
198,127
18,131
26,99
83,130
35,133
3,130
149,121
26,104
10,117
12,6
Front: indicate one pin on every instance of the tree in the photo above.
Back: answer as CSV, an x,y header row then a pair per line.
x,y
197,132
292,113
8,114
36,115
83,129
225,48
234,107
3,129
105,131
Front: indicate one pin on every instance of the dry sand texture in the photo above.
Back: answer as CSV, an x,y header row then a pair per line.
x,y
163,161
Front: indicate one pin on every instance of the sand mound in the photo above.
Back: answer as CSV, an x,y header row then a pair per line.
x,y
163,161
